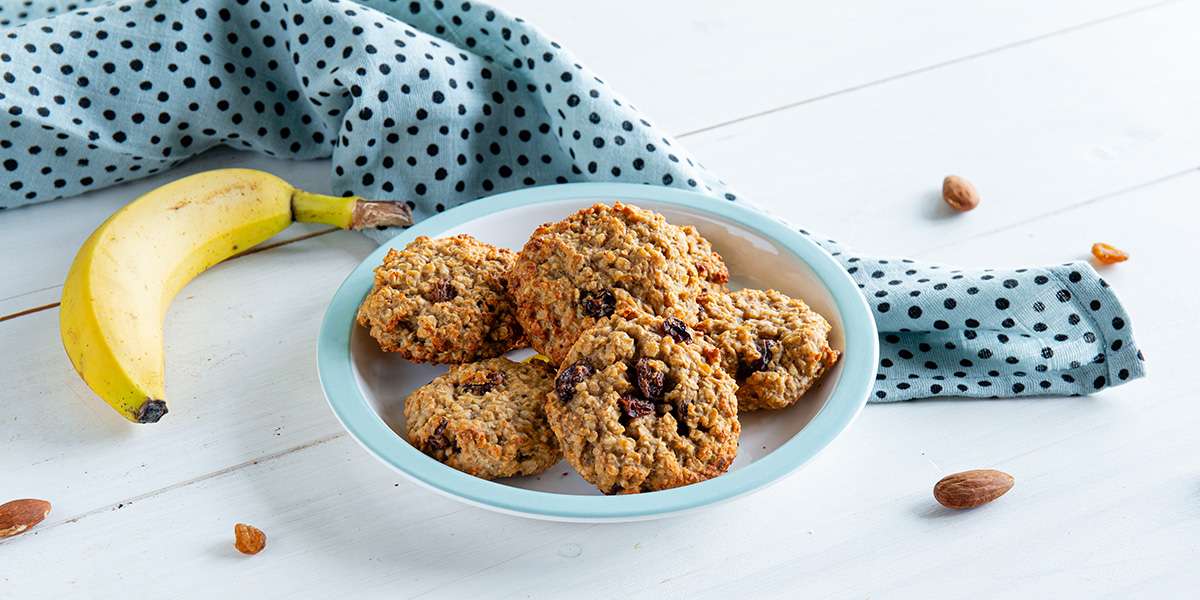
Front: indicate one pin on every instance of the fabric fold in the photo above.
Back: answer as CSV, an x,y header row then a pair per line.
x,y
438,103
990,333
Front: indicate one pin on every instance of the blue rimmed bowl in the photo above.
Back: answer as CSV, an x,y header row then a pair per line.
x,y
366,387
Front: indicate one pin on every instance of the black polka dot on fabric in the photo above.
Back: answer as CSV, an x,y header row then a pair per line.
x,y
995,304
322,80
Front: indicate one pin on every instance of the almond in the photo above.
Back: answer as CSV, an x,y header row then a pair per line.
x,y
959,193
972,488
19,515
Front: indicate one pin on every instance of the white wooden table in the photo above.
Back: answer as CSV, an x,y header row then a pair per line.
x,y
1078,120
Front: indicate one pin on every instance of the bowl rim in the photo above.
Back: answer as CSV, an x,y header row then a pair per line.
x,y
846,400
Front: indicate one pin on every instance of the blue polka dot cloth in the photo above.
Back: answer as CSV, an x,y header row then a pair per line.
x,y
437,103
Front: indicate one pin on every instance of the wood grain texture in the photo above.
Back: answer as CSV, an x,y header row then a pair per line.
x,y
1037,129
727,62
1104,502
1088,135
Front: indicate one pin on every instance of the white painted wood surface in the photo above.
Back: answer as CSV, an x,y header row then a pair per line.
x,y
1077,121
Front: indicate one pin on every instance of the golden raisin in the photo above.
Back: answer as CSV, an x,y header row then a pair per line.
x,y
1107,254
248,539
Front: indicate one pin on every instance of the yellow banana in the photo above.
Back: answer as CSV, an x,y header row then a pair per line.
x,y
125,275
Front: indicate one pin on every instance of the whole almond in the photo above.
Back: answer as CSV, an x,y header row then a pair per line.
x,y
972,488
19,515
959,193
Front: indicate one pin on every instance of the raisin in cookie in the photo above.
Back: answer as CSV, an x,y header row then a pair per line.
x,y
574,272
486,418
642,404
443,301
775,346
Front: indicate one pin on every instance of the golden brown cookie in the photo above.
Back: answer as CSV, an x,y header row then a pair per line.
x,y
574,272
709,265
486,418
642,404
775,346
444,301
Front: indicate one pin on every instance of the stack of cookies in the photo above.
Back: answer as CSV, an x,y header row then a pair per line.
x,y
645,358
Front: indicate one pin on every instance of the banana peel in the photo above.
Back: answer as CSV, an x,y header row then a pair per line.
x,y
126,274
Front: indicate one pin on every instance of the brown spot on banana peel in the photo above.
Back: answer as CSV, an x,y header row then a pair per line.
x,y
151,411
241,187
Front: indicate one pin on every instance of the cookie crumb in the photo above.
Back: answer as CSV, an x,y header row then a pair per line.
x,y
248,539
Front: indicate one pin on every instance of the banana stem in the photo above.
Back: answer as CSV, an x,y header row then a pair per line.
x,y
370,213
348,213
